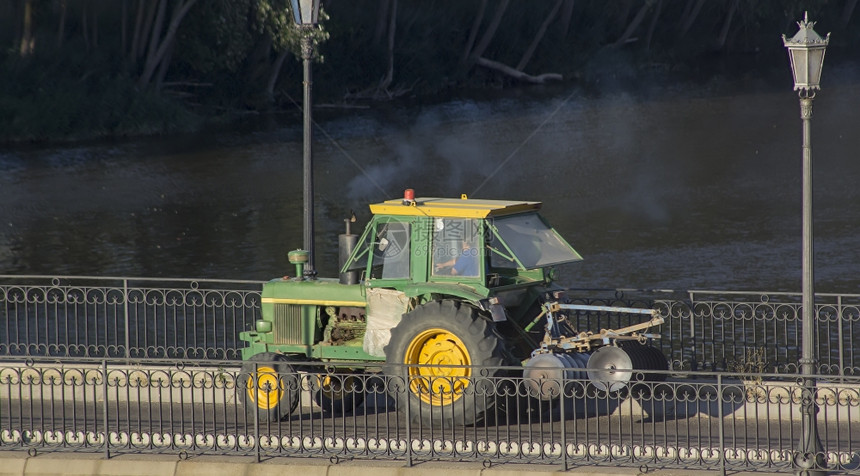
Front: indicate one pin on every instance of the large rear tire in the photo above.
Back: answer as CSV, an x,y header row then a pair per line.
x,y
269,387
431,363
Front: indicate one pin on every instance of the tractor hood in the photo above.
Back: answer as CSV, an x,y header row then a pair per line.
x,y
322,291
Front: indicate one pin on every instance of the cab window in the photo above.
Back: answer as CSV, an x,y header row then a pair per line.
x,y
391,251
456,247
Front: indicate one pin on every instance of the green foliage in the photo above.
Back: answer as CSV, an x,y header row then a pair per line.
x,y
39,103
273,19
216,37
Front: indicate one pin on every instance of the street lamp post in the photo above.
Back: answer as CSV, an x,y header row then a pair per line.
x,y
306,16
806,52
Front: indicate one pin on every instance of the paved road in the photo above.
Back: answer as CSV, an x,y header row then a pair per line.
x,y
679,427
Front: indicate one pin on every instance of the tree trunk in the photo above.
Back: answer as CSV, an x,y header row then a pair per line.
x,y
527,56
690,17
473,33
258,63
847,12
124,26
61,26
158,47
165,64
566,16
489,33
621,17
273,77
653,25
15,12
381,21
392,28
138,26
634,24
146,27
155,34
724,33
95,19
27,39
85,29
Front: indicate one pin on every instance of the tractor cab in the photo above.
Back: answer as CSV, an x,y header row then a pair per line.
x,y
466,244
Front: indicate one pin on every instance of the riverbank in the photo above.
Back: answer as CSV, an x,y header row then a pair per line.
x,y
72,88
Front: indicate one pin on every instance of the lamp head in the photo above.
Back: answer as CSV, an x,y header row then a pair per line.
x,y
306,13
806,52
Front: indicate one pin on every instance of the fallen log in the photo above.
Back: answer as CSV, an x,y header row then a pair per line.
x,y
519,75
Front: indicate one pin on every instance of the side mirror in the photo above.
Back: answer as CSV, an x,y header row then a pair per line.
x,y
383,243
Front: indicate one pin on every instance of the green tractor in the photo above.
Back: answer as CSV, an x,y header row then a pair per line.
x,y
434,289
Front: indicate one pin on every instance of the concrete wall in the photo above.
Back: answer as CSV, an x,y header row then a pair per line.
x,y
15,464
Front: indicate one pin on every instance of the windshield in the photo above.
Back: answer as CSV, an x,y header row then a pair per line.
x,y
531,242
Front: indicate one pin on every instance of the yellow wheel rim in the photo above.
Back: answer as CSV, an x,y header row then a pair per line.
x,y
335,388
437,383
266,388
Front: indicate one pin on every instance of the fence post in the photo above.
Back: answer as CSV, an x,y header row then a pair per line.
x,y
694,365
256,377
125,316
105,407
840,346
563,419
408,419
720,426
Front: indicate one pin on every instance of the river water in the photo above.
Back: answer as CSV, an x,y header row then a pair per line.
x,y
691,185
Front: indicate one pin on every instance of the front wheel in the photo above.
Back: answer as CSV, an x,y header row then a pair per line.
x,y
338,394
432,361
269,387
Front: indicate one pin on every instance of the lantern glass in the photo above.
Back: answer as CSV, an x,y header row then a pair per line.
x,y
806,51
806,64
306,12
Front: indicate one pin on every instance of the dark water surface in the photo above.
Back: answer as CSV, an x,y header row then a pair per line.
x,y
680,186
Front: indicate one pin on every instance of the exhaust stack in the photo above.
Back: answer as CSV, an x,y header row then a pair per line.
x,y
345,244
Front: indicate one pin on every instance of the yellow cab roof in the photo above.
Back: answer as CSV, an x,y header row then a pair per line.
x,y
452,207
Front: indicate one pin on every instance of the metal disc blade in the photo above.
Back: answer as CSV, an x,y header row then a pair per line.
x,y
543,375
603,368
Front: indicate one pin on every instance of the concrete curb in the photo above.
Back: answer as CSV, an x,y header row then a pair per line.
x,y
20,464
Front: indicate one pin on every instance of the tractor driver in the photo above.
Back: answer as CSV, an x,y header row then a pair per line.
x,y
466,264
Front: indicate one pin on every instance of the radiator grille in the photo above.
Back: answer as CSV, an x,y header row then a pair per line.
x,y
288,324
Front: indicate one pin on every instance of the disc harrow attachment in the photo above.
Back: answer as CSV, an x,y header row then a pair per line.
x,y
610,358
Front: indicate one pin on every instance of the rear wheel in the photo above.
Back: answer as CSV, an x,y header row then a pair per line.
x,y
431,363
269,387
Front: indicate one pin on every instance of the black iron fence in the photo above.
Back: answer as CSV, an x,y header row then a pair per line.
x,y
125,317
197,319
712,421
738,331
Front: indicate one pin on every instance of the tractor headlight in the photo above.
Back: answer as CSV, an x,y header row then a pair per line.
x,y
263,326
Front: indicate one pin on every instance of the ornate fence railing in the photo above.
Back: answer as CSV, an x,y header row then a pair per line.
x,y
738,331
710,421
201,319
125,317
